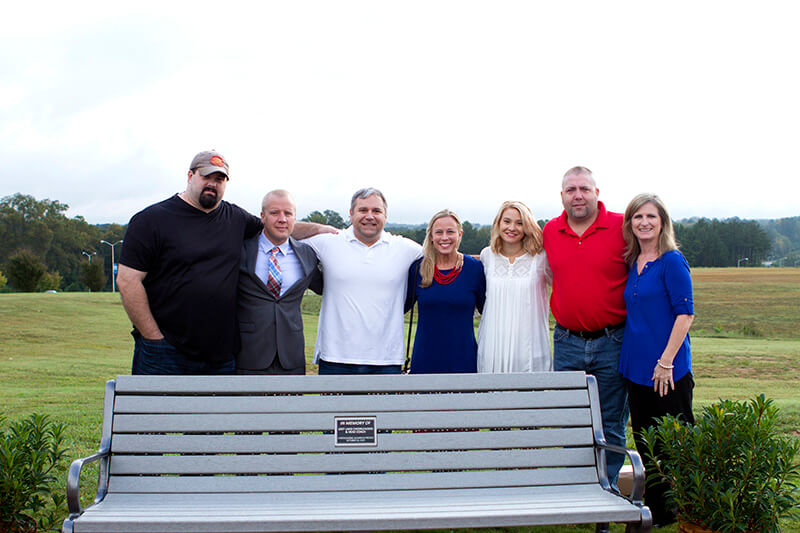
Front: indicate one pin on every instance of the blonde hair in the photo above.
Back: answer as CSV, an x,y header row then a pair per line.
x,y
666,239
429,252
531,242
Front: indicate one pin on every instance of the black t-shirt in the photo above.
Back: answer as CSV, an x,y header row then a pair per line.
x,y
192,264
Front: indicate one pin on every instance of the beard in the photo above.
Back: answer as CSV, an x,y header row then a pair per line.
x,y
208,200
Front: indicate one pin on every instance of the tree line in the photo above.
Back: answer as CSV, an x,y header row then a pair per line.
x,y
704,242
723,243
41,248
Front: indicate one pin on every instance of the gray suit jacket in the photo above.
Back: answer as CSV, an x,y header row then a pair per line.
x,y
270,327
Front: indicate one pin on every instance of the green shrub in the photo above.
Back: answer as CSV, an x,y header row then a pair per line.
x,y
50,281
24,270
3,280
31,452
733,470
75,286
92,275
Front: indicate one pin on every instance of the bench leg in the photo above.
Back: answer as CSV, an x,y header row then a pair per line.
x,y
644,526
602,528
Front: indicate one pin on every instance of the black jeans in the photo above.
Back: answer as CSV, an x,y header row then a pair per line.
x,y
162,358
646,408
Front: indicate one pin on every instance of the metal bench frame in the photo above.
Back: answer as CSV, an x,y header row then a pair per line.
x,y
260,453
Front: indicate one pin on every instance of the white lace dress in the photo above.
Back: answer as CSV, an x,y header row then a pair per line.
x,y
513,335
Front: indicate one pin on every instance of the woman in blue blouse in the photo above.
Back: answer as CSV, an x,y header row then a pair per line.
x,y
656,358
447,286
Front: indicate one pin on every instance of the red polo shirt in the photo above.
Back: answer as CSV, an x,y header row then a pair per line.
x,y
589,272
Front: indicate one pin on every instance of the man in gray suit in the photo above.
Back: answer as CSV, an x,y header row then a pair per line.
x,y
274,273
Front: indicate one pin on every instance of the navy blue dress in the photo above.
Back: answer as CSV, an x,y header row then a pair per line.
x,y
445,338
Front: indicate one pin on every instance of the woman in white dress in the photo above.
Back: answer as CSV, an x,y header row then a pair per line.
x,y
514,335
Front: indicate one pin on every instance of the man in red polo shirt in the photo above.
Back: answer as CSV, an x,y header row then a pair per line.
x,y
585,250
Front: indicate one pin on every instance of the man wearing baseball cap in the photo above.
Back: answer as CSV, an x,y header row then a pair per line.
x,y
178,274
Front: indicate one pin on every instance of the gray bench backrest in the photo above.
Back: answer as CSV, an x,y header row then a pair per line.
x,y
276,434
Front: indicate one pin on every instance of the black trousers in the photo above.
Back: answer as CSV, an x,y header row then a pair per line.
x,y
274,369
646,408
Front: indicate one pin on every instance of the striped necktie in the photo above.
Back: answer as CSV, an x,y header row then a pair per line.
x,y
274,276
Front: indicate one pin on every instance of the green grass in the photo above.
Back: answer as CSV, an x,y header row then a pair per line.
x,y
754,302
57,351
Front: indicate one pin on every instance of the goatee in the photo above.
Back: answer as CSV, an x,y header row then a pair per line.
x,y
208,200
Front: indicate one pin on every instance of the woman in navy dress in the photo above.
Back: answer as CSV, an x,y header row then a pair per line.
x,y
656,357
447,286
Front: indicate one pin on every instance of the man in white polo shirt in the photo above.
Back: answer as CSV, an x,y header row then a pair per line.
x,y
365,271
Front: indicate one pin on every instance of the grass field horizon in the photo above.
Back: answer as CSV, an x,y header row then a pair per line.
x,y
58,350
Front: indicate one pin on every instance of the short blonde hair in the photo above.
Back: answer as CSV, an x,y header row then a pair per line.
x,y
532,242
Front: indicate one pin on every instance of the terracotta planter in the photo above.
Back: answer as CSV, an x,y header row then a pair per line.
x,y
688,527
29,527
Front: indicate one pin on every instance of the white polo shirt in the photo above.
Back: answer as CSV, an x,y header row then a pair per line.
x,y
361,319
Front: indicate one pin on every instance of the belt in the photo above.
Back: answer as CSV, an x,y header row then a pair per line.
x,y
589,335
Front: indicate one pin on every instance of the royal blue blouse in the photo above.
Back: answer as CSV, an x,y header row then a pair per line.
x,y
653,300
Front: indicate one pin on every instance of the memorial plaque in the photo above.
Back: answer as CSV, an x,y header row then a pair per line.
x,y
355,431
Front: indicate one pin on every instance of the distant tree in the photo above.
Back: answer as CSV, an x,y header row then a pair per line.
x,y
24,270
50,281
315,216
415,234
3,280
329,217
42,227
475,238
335,219
92,274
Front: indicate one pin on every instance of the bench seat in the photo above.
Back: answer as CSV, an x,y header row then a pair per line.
x,y
353,511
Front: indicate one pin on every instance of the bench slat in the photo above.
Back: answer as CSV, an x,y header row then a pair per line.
x,y
353,384
349,462
136,443
258,422
333,482
352,403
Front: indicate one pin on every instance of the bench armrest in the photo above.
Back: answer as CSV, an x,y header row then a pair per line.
x,y
74,480
638,470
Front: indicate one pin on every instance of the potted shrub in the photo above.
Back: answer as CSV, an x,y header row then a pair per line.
x,y
733,471
30,452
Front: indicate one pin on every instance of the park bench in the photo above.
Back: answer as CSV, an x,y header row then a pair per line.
x,y
323,453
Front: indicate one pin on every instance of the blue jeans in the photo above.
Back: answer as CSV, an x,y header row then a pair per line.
x,y
328,368
600,358
161,358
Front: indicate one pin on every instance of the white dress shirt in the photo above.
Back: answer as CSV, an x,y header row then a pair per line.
x,y
361,318
289,263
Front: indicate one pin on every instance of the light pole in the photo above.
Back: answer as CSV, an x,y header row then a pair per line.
x,y
89,255
738,263
113,283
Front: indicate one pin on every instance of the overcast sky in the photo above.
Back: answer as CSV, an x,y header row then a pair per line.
x,y
457,104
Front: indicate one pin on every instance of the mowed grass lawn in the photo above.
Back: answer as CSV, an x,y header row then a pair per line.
x,y
57,350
